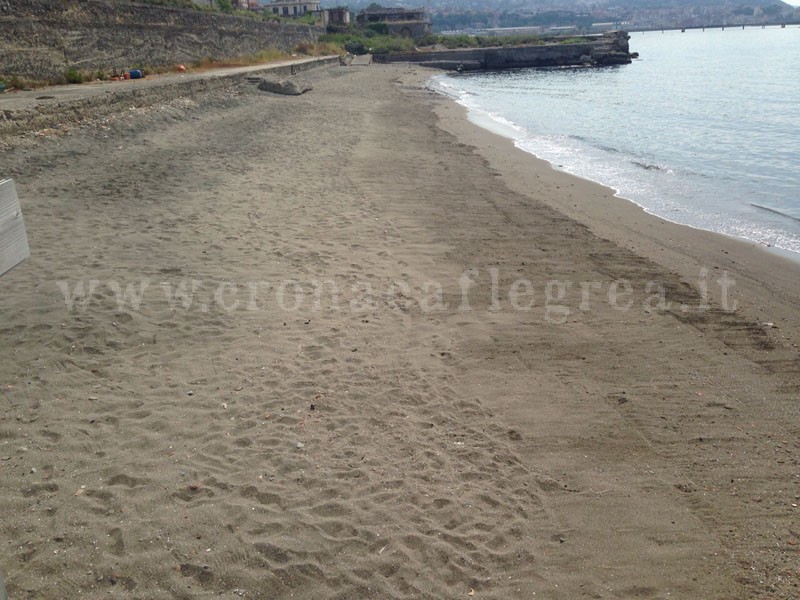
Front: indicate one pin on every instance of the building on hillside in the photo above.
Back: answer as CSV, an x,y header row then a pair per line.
x,y
244,4
407,22
339,15
292,8
605,26
506,31
562,29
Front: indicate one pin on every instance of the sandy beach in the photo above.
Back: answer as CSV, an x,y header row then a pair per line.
x,y
349,345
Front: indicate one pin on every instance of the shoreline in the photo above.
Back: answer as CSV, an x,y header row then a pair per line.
x,y
679,247
506,129
773,250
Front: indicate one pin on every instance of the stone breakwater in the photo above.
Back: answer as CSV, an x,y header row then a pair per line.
x,y
42,39
596,50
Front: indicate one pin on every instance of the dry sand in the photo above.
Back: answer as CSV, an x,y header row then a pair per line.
x,y
391,444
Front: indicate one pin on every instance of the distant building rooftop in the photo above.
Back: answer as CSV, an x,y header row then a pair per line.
x,y
407,22
390,11
378,15
292,8
501,31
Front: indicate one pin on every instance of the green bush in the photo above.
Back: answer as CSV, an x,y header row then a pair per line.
x,y
458,41
308,19
351,42
337,38
428,40
341,28
378,28
570,40
383,44
225,6
73,75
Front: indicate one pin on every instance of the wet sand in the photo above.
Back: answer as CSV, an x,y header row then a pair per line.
x,y
416,363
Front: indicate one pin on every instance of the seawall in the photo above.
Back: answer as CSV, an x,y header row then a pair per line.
x,y
27,112
42,39
598,50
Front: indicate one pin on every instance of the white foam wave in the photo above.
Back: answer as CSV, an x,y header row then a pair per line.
x,y
658,188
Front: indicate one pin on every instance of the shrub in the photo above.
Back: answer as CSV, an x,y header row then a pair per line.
x,y
17,82
383,44
355,47
428,40
225,6
334,38
571,40
307,19
340,28
351,42
73,75
369,41
459,41
378,28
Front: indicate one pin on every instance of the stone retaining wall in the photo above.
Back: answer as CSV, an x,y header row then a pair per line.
x,y
42,39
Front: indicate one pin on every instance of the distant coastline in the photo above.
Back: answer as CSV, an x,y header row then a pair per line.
x,y
594,50
721,26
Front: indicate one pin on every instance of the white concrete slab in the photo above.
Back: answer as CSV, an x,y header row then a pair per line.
x,y
13,239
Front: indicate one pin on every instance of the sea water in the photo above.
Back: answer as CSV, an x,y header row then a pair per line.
x,y
703,129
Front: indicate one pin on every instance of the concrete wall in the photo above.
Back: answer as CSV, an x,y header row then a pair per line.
x,y
606,49
412,29
23,113
41,39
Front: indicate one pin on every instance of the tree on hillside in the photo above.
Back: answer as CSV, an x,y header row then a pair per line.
x,y
225,6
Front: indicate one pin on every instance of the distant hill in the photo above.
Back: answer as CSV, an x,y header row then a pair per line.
x,y
651,4
533,6
448,15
